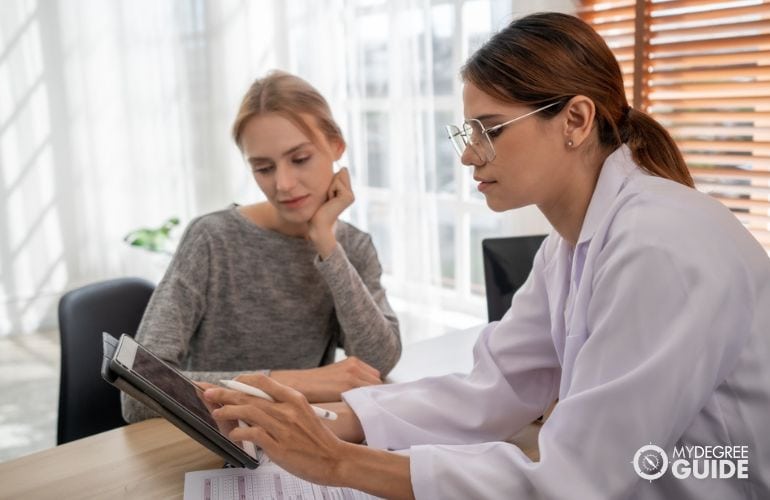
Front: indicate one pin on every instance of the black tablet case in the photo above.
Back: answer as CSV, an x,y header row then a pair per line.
x,y
110,345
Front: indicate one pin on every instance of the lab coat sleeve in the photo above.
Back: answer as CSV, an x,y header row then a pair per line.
x,y
513,381
663,330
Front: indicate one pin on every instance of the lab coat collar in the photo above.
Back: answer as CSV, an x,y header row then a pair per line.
x,y
617,168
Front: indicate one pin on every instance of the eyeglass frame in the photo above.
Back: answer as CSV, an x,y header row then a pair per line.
x,y
485,132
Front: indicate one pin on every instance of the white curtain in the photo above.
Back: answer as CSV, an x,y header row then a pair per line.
x,y
115,114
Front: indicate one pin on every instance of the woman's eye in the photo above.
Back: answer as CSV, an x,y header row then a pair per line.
x,y
495,132
300,160
263,170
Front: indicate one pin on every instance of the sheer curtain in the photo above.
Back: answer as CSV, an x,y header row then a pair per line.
x,y
104,127
115,114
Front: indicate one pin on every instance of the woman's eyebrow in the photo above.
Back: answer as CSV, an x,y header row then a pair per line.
x,y
488,116
265,159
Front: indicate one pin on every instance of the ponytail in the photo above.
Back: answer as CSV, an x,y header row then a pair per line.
x,y
653,148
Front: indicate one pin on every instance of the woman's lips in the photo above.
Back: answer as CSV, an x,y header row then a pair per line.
x,y
483,184
294,202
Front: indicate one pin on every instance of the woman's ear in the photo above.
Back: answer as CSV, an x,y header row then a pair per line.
x,y
338,147
580,112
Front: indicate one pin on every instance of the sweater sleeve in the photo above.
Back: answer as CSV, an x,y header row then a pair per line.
x,y
369,327
174,311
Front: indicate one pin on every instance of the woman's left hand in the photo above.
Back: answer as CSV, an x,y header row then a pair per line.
x,y
287,429
321,226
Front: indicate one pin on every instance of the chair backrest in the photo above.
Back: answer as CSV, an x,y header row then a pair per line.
x,y
507,263
87,404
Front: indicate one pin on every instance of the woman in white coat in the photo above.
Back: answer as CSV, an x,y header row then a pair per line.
x,y
647,313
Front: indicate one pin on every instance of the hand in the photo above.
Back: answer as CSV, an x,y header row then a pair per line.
x,y
287,429
326,383
321,226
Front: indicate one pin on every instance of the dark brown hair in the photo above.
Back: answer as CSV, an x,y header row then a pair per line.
x,y
290,96
551,57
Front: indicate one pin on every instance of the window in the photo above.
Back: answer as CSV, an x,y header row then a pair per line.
x,y
702,69
396,85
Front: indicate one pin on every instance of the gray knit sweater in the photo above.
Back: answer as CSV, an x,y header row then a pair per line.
x,y
238,298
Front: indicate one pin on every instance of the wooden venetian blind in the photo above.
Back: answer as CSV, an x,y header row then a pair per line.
x,y
702,69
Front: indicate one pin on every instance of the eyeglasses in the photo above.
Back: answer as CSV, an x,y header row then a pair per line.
x,y
479,138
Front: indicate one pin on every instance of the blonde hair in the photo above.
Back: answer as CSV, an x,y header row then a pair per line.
x,y
290,96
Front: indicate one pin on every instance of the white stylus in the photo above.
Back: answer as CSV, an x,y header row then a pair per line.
x,y
253,391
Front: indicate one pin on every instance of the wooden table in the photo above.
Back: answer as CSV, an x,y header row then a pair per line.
x,y
144,461
148,460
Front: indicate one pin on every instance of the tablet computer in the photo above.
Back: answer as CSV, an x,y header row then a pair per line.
x,y
139,373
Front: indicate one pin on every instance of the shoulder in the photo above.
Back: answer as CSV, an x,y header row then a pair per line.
x,y
689,230
213,229
659,210
215,222
222,225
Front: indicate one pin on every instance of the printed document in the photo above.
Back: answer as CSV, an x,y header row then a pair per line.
x,y
267,482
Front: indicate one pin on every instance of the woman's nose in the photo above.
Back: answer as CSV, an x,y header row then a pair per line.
x,y
285,178
471,158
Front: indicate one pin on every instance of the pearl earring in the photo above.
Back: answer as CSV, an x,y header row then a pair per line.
x,y
570,143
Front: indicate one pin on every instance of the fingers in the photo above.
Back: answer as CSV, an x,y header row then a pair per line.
x,y
219,397
344,176
260,423
226,396
248,413
268,385
340,187
257,435
278,391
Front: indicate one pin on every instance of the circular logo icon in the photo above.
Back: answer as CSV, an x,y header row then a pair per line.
x,y
650,462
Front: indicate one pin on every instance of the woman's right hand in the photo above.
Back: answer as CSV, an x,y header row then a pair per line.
x,y
326,383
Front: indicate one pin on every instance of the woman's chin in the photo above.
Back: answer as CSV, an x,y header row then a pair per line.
x,y
297,216
497,205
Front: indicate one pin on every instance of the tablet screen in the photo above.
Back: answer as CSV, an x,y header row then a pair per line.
x,y
184,392
178,388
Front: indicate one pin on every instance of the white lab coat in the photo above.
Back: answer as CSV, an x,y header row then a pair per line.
x,y
655,330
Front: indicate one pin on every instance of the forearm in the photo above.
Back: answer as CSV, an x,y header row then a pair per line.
x,y
381,473
347,426
370,328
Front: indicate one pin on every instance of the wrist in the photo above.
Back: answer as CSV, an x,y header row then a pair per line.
x,y
324,245
379,472
345,469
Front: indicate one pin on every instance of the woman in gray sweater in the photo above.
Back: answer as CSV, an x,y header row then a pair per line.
x,y
275,287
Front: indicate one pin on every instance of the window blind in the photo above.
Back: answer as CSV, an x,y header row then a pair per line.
x,y
702,69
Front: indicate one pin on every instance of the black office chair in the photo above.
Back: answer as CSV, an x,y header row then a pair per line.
x,y
87,404
507,263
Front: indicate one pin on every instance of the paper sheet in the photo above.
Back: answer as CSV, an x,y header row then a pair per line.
x,y
267,482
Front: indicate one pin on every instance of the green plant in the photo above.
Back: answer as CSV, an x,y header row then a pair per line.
x,y
153,239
